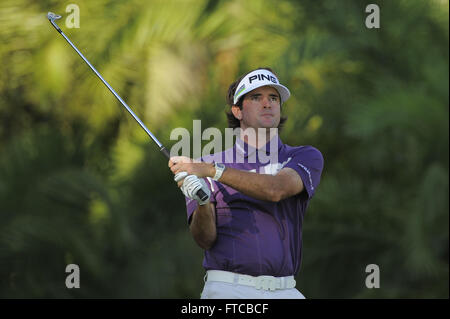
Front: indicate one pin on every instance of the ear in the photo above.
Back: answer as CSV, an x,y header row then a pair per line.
x,y
236,112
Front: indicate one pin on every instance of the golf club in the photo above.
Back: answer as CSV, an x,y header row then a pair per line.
x,y
52,17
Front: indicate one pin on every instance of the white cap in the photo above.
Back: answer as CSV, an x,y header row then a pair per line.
x,y
257,79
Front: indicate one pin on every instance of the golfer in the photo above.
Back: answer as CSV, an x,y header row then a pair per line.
x,y
251,225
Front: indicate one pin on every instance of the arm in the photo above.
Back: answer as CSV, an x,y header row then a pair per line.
x,y
203,225
261,186
267,187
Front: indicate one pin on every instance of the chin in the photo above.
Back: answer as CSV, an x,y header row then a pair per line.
x,y
270,124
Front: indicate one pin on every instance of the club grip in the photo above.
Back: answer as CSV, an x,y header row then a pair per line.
x,y
202,195
165,152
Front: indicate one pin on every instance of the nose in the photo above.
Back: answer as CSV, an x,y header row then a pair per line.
x,y
266,102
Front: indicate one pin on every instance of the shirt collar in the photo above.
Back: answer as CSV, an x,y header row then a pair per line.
x,y
243,149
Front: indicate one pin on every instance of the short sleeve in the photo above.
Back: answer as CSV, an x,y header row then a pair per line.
x,y
191,204
307,161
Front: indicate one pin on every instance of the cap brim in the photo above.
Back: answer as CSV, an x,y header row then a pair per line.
x,y
282,90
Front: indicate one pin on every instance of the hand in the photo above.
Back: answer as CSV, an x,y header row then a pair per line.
x,y
190,186
179,164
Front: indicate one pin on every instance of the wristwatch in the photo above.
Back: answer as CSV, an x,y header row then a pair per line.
x,y
220,168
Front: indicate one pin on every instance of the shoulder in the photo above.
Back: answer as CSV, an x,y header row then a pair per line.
x,y
305,151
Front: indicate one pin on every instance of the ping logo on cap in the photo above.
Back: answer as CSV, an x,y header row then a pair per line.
x,y
258,78
262,77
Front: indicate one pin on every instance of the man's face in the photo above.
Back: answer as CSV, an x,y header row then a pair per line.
x,y
260,108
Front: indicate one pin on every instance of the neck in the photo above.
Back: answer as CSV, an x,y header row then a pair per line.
x,y
257,138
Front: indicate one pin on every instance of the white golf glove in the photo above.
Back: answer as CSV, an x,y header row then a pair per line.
x,y
191,185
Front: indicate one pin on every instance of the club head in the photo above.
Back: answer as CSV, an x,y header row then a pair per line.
x,y
53,16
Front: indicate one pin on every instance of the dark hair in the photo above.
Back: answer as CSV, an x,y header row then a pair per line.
x,y
234,122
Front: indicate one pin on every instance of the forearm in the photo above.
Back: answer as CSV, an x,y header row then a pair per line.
x,y
203,226
260,186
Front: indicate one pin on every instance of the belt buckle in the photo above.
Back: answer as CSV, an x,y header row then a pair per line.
x,y
265,282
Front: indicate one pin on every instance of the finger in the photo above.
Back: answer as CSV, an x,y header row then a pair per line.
x,y
180,176
182,159
175,159
175,166
180,167
172,161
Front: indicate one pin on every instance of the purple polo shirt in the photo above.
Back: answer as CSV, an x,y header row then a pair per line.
x,y
257,237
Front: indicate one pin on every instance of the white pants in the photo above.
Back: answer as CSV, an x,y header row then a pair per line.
x,y
224,290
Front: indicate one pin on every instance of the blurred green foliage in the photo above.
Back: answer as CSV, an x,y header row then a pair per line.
x,y
81,183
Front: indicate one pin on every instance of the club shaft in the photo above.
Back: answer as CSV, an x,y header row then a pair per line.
x,y
113,91
163,150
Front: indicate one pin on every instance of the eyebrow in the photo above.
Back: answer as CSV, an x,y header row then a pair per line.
x,y
259,94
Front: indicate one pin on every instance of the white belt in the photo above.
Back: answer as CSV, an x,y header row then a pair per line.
x,y
260,282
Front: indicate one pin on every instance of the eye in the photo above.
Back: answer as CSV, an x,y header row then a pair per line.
x,y
274,98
